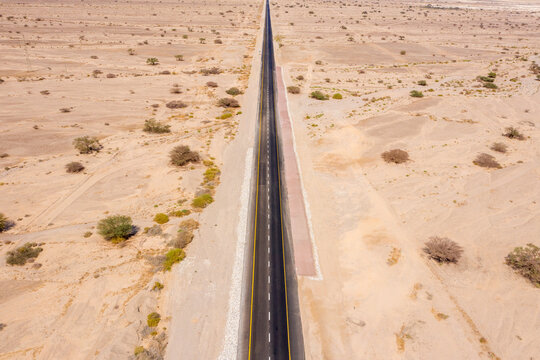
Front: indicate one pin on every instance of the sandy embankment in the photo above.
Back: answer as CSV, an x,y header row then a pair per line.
x,y
90,298
380,297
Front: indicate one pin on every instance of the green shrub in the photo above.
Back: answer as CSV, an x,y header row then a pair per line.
x,y
486,79
181,155
152,61
202,201
318,95
210,174
293,89
233,91
489,85
116,228
179,57
155,127
87,144
22,254
87,234
157,286
422,82
492,75
225,116
526,261
172,257
153,319
337,96
138,350
416,93
180,213
161,218
513,133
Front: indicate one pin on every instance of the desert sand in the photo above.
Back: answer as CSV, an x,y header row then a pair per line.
x,y
381,296
72,69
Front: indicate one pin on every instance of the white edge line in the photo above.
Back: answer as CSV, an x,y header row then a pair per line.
x,y
304,192
230,343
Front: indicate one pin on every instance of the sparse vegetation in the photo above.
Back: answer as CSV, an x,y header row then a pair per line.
x,y
416,94
176,104
157,286
228,102
172,257
4,222
513,133
116,228
161,218
181,155
396,156
152,61
233,91
156,127
487,161
153,319
212,71
293,89
23,254
202,201
74,167
87,144
443,249
499,147
526,262
318,95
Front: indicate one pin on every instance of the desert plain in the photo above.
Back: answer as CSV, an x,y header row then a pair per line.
x,y
409,75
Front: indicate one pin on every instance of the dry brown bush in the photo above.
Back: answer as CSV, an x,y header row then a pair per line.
x,y
211,71
181,155
176,104
293,89
74,167
499,147
442,249
396,156
487,161
212,84
228,102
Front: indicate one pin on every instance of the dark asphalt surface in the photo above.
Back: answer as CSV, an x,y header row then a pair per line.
x,y
274,328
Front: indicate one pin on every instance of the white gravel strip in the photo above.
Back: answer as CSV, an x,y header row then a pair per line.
x,y
304,193
230,345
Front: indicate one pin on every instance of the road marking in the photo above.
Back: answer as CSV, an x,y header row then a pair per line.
x,y
268,337
269,316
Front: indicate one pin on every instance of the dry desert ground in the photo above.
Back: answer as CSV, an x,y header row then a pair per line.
x,y
472,65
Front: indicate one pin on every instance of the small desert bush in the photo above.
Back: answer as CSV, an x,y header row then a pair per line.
x,y
337,96
212,84
152,61
157,286
202,201
228,102
396,156
156,127
138,350
179,57
87,234
183,238
176,104
115,228
526,261
422,82
74,167
161,218
87,144
490,85
172,257
416,93
499,147
487,161
4,222
181,155
189,225
180,213
402,52
233,91
293,89
443,250
153,319
513,133
318,95
22,254
211,71
300,77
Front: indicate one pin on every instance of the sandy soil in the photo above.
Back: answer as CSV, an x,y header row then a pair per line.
x,y
381,297
84,297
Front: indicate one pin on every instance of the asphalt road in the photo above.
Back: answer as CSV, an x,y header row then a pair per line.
x,y
273,326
